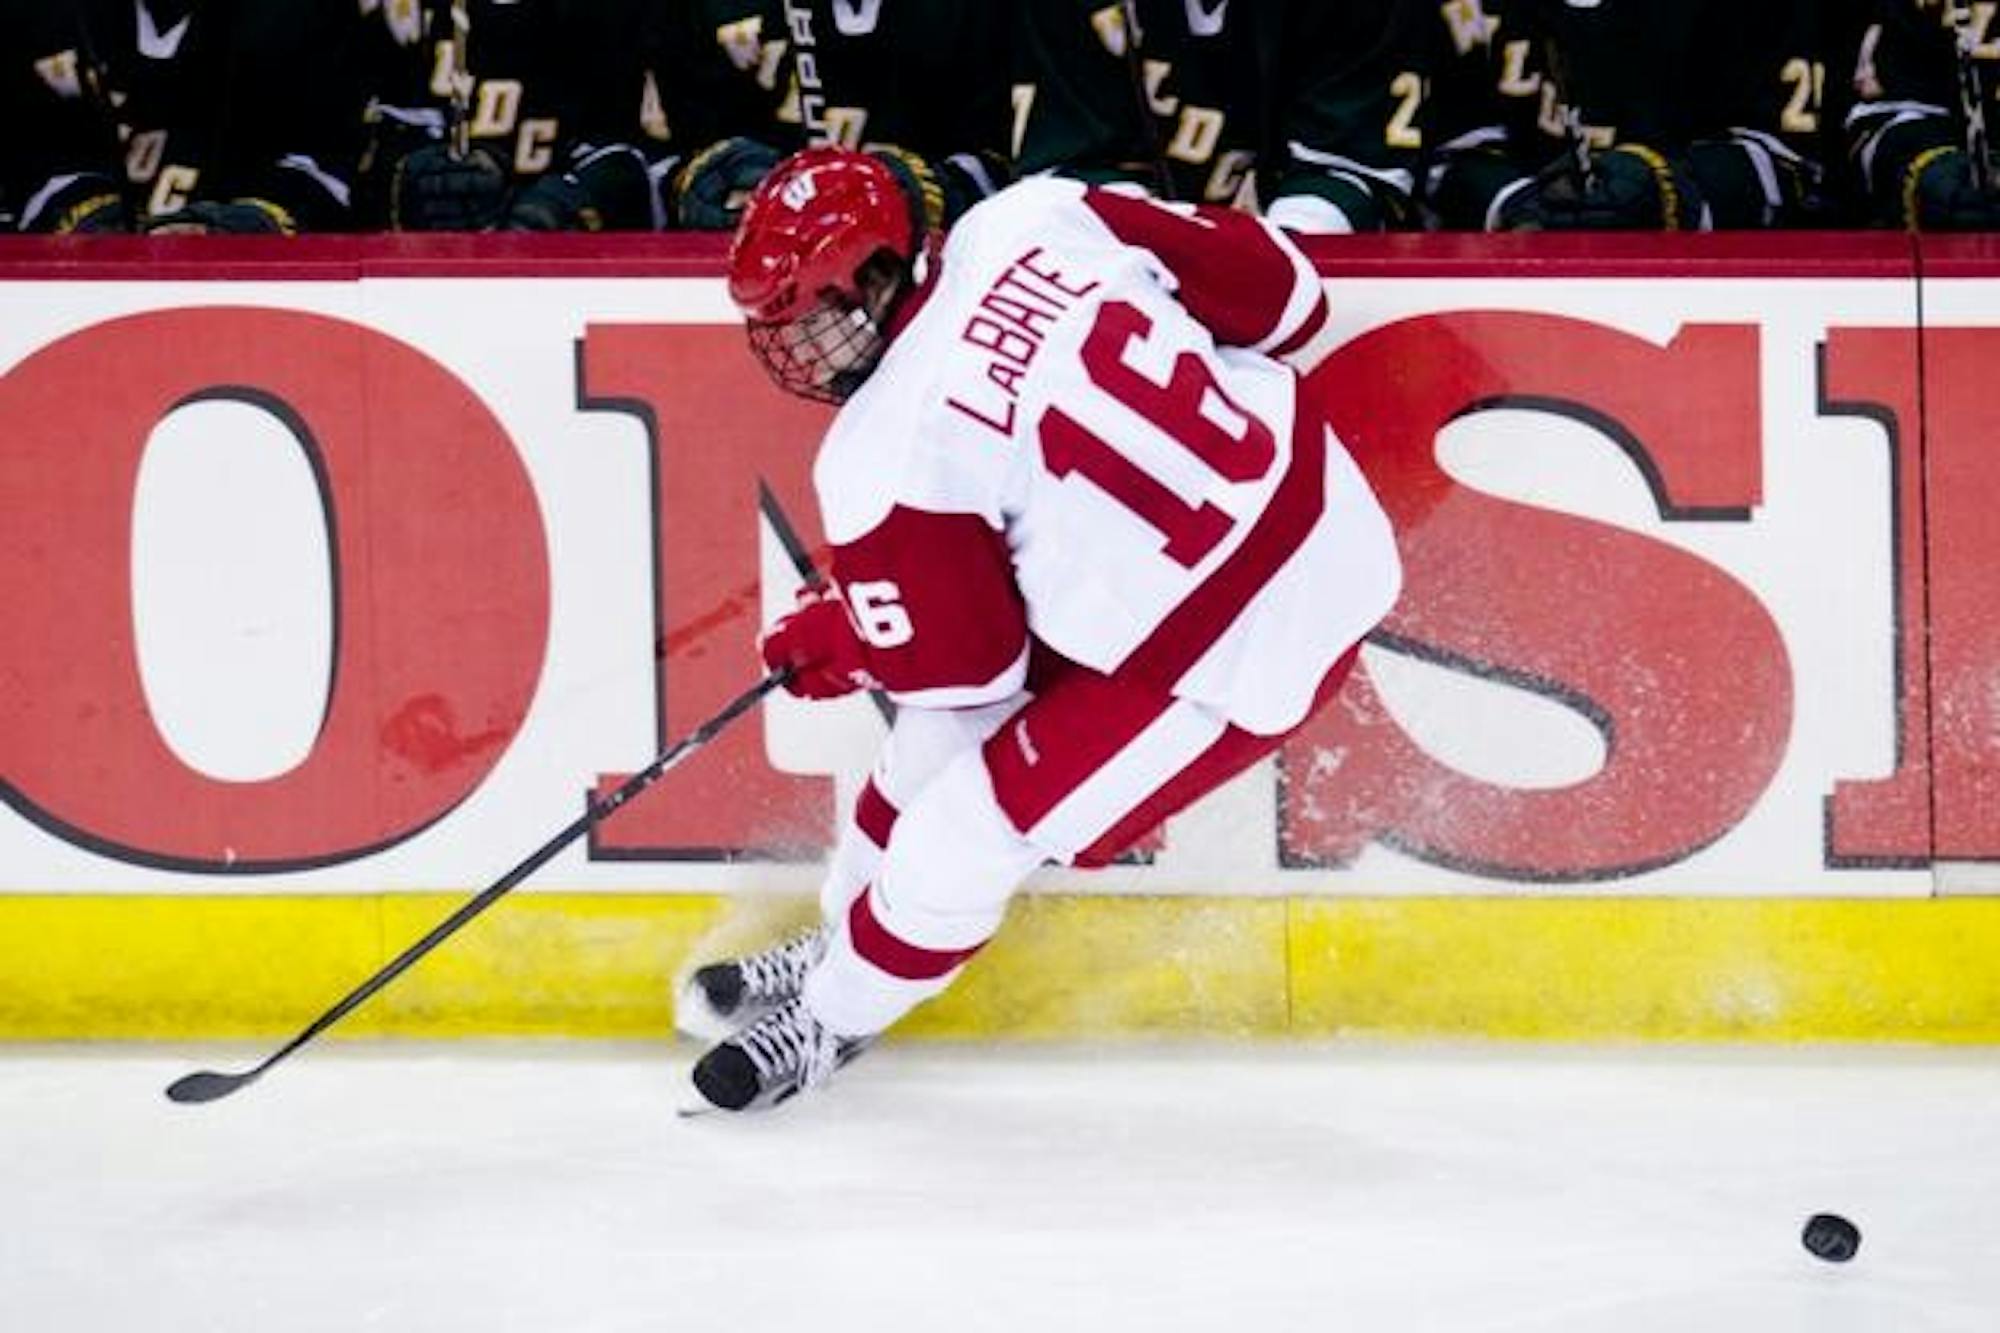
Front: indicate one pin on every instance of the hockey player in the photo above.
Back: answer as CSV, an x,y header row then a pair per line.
x,y
925,81
1090,532
169,115
735,109
66,175
517,114
1304,109
1625,115
1925,85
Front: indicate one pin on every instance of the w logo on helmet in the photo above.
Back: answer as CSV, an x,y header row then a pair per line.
x,y
798,192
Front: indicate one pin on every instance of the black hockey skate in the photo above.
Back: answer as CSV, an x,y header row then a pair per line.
x,y
727,997
779,1056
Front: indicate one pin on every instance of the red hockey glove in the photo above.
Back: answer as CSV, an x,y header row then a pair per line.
x,y
818,641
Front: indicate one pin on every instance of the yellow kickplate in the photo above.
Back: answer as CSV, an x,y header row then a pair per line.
x,y
74,966
1649,968
603,965
1098,966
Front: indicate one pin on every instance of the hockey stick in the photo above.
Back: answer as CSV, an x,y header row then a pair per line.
x,y
1972,103
459,138
208,1085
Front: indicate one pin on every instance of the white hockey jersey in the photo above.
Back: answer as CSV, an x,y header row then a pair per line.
x,y
1083,434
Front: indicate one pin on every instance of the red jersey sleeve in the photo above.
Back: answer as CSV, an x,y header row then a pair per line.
x,y
934,598
1239,276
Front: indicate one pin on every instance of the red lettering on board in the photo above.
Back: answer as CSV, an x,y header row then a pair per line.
x,y
719,434
1676,662
1942,800
441,589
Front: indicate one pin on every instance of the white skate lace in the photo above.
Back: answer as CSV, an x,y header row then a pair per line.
x,y
779,973
791,1041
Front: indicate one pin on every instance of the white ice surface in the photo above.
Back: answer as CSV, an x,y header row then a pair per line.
x,y
1248,1190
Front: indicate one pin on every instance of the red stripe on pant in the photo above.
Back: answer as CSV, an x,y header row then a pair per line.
x,y
1078,721
874,815
898,957
1304,333
1232,752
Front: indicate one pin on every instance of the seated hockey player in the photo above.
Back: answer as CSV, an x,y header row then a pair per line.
x,y
925,81
1924,86
175,116
1624,115
1090,532
517,115
1299,109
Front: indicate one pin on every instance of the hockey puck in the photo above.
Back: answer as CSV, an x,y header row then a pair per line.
x,y
1831,1237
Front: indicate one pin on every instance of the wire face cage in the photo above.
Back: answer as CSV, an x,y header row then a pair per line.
x,y
824,354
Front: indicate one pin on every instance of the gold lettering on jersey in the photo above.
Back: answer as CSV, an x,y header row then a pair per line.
x,y
405,20
1971,23
1808,80
1196,133
497,108
1402,130
1552,118
653,111
1230,180
1515,81
535,146
773,62
1155,74
1109,24
447,80
61,74
172,190
1867,80
1024,107
743,42
1984,45
1009,328
846,125
143,155
1470,25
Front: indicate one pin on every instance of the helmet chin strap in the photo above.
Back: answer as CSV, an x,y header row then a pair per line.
x,y
911,283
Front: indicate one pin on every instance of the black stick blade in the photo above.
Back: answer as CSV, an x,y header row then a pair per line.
x,y
206,1086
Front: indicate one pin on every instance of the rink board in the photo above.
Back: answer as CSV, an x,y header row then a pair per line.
x,y
602,965
1683,730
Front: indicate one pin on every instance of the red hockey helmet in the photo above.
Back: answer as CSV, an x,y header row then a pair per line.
x,y
810,228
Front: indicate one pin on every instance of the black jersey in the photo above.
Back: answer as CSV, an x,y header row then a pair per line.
x,y
930,76
1732,95
1223,101
1165,93
538,76
180,102
1926,84
721,69
68,167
